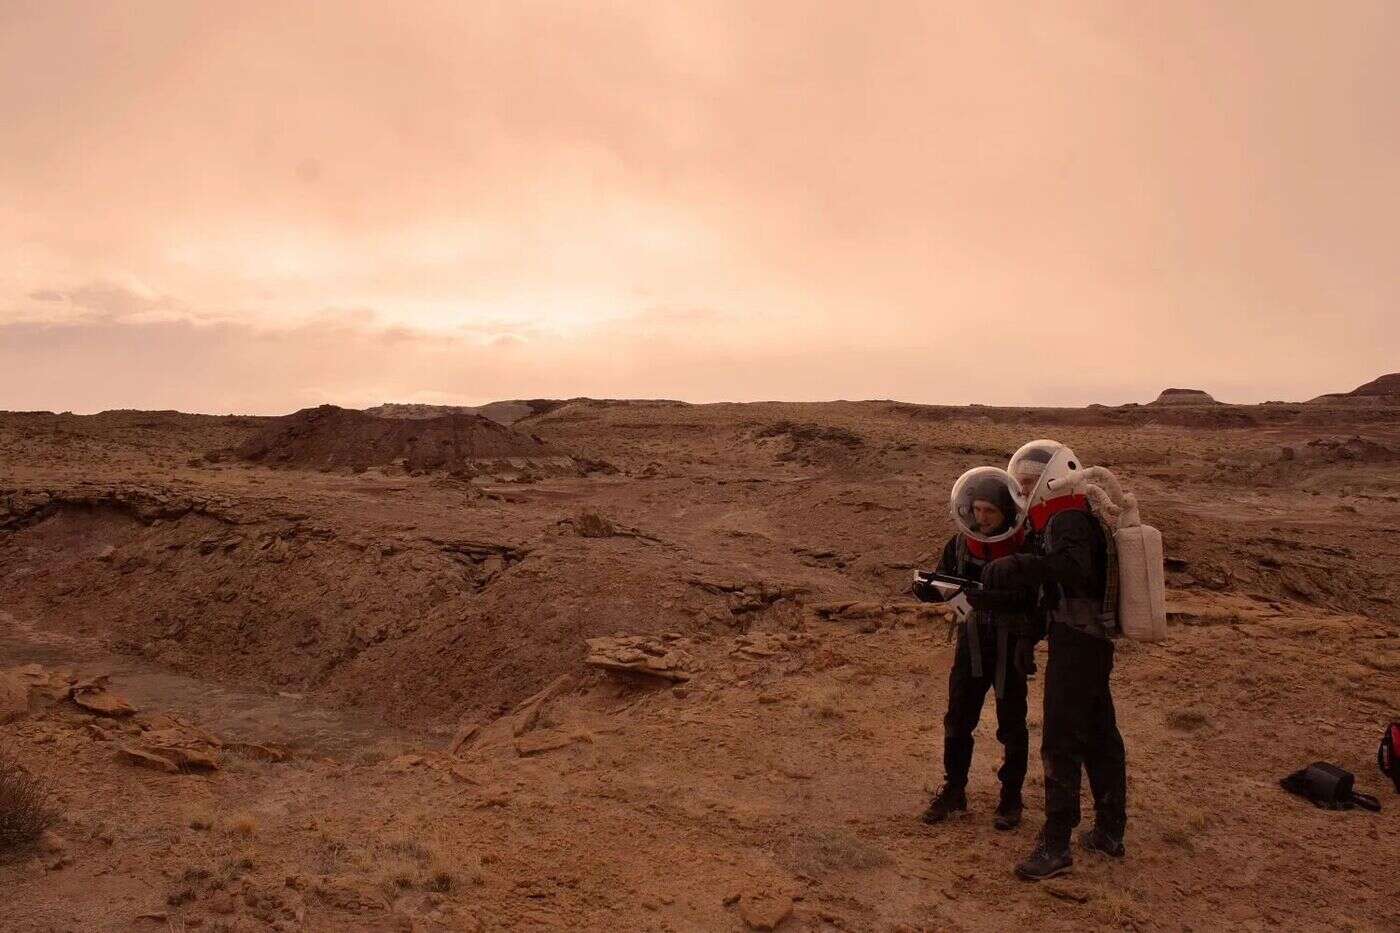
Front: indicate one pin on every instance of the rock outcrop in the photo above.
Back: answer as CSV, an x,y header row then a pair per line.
x,y
330,438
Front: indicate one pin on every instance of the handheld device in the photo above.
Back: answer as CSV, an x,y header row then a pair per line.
x,y
951,588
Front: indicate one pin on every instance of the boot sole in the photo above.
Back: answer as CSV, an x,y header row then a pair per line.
x,y
1097,850
1024,876
1104,852
952,815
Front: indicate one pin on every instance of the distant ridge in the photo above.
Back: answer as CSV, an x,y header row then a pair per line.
x,y
328,437
1382,389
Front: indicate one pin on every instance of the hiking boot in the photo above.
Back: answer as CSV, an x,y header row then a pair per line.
x,y
1102,842
950,799
1008,811
1044,862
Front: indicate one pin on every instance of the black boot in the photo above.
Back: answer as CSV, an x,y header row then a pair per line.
x,y
1008,810
951,798
1103,842
1045,861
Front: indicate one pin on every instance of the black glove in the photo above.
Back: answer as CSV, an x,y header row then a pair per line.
x,y
926,592
1012,571
999,600
1024,657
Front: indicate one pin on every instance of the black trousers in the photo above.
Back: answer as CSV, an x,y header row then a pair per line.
x,y
1081,733
965,696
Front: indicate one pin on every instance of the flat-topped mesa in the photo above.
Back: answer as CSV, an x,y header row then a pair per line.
x,y
1184,397
504,412
329,437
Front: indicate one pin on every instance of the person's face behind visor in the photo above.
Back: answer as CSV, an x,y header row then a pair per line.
x,y
988,517
1026,480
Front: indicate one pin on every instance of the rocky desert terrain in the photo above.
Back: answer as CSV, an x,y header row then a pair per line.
x,y
618,665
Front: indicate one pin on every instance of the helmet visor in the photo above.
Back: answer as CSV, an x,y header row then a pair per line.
x,y
987,505
1028,463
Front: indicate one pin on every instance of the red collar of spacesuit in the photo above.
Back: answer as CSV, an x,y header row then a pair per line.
x,y
991,550
1041,514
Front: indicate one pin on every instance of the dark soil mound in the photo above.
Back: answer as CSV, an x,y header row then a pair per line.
x,y
337,438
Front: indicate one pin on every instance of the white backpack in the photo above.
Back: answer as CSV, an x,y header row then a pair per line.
x,y
1136,549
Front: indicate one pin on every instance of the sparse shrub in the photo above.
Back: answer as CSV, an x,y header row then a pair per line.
x,y
371,757
238,866
244,824
199,818
440,881
593,525
1187,720
1184,825
825,703
413,849
24,807
822,851
400,876
475,874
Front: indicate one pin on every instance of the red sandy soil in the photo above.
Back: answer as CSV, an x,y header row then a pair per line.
x,y
362,621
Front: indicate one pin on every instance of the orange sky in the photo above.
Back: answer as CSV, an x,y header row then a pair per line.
x,y
255,207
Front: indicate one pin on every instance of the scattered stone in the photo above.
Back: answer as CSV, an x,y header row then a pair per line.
x,y
1067,891
764,911
14,697
176,747
641,655
145,759
93,696
463,739
537,743
527,715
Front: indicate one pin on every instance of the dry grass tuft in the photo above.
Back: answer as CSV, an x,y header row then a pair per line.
x,y
440,881
831,849
1184,825
198,817
24,807
1188,719
244,825
593,525
825,702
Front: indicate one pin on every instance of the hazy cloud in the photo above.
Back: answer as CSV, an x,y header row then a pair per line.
x,y
713,200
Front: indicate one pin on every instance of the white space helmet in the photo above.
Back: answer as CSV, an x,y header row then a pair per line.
x,y
1043,470
977,493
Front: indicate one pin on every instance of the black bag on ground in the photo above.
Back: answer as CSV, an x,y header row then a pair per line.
x,y
1328,787
1388,755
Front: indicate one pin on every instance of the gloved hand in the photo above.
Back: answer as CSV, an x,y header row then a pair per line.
x,y
1004,586
926,592
1013,570
1024,657
999,600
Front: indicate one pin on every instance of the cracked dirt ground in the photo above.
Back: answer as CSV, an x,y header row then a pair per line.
x,y
366,624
